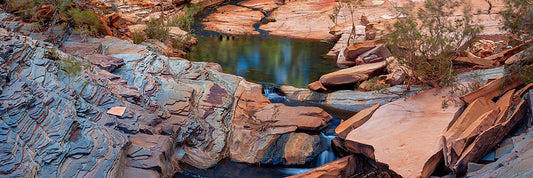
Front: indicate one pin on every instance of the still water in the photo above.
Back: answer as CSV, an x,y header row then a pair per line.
x,y
272,60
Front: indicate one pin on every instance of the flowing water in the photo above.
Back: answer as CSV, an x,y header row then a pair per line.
x,y
267,60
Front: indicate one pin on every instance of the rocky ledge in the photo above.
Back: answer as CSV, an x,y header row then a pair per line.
x,y
113,108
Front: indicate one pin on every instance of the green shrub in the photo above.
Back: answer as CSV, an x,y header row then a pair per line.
x,y
518,17
425,42
86,20
138,37
186,20
23,8
155,29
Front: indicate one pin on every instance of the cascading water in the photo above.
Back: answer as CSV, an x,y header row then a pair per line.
x,y
327,155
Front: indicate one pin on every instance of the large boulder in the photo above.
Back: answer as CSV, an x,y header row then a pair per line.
x,y
406,134
351,75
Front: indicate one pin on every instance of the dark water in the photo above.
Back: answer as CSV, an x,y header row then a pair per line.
x,y
266,59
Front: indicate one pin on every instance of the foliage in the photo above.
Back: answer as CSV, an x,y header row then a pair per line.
x,y
71,66
186,20
351,5
518,17
156,30
138,37
24,8
425,42
86,20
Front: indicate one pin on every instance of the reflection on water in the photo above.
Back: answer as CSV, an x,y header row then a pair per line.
x,y
270,60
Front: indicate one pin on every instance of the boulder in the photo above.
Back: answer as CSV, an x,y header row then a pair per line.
x,y
478,116
358,48
303,95
494,88
371,55
483,48
518,57
262,132
355,121
489,138
317,86
305,118
108,63
397,73
406,134
343,167
351,75
354,100
473,61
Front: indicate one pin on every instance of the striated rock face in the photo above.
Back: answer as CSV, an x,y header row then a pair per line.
x,y
49,127
58,113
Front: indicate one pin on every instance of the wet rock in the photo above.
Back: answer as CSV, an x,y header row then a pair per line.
x,y
301,94
258,139
351,75
405,134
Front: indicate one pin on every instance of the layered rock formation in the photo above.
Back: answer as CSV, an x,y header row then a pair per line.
x,y
55,120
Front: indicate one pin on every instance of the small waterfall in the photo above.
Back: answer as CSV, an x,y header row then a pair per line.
x,y
327,155
273,93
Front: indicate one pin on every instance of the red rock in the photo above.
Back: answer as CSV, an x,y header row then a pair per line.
x,y
355,121
299,147
305,118
406,134
473,61
302,19
232,19
317,86
504,55
494,88
351,75
473,113
343,167
483,48
264,5
484,143
359,48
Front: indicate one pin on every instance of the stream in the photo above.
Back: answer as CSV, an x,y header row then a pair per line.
x,y
270,61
